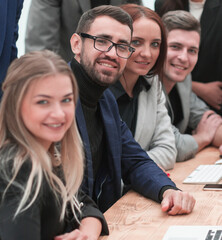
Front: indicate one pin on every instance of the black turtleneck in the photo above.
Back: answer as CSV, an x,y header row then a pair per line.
x,y
90,93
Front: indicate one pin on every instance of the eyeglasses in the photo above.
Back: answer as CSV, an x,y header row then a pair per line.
x,y
105,45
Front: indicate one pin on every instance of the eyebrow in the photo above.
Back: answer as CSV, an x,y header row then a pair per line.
x,y
195,48
176,43
139,38
110,38
47,96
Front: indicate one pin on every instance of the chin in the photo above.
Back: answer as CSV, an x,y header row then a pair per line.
x,y
179,79
108,80
143,73
56,139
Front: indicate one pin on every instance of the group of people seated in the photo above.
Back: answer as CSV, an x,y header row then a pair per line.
x,y
75,136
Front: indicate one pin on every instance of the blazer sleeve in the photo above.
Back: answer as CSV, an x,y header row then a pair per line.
x,y
162,147
139,171
197,109
186,145
43,26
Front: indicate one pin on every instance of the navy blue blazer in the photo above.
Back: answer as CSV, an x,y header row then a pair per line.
x,y
125,160
10,11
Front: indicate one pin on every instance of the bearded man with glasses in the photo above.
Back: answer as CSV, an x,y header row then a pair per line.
x,y
101,46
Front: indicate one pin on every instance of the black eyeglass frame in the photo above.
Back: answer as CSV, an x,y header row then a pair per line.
x,y
131,49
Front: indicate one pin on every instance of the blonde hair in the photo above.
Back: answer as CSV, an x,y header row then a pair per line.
x,y
21,73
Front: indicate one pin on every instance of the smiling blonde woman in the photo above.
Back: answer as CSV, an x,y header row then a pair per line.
x,y
39,183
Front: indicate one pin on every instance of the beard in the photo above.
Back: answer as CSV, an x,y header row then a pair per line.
x,y
102,77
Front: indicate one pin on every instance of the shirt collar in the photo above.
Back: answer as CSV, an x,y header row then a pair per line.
x,y
119,91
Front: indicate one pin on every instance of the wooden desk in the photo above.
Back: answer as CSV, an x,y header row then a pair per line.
x,y
134,217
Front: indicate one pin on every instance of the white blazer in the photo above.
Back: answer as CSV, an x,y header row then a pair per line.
x,y
193,109
153,129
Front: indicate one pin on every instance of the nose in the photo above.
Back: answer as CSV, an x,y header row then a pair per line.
x,y
112,52
183,56
57,111
146,52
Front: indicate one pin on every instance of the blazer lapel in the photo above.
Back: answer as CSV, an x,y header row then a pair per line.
x,y
112,135
142,116
185,101
88,179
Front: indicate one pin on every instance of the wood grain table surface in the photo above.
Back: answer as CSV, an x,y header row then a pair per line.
x,y
134,217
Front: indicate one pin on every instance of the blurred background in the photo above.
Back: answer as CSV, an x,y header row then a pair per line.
x,y
24,16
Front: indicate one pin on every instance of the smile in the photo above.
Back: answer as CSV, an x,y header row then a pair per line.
x,y
54,125
107,65
179,67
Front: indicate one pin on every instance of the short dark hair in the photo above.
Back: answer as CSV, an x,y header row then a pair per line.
x,y
137,12
114,12
180,19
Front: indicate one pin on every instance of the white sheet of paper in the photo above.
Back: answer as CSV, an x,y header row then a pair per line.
x,y
193,233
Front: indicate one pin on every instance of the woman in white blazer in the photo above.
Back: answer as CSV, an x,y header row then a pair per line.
x,y
139,95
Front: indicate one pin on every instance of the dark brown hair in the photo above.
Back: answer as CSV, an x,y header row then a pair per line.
x,y
138,11
114,12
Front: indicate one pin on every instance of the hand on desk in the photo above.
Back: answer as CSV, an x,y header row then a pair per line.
x,y
176,202
76,234
90,229
208,126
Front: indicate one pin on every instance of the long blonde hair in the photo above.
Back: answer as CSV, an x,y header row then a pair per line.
x,y
21,73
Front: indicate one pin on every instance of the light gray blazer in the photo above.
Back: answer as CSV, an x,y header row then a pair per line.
x,y
193,109
153,129
51,24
